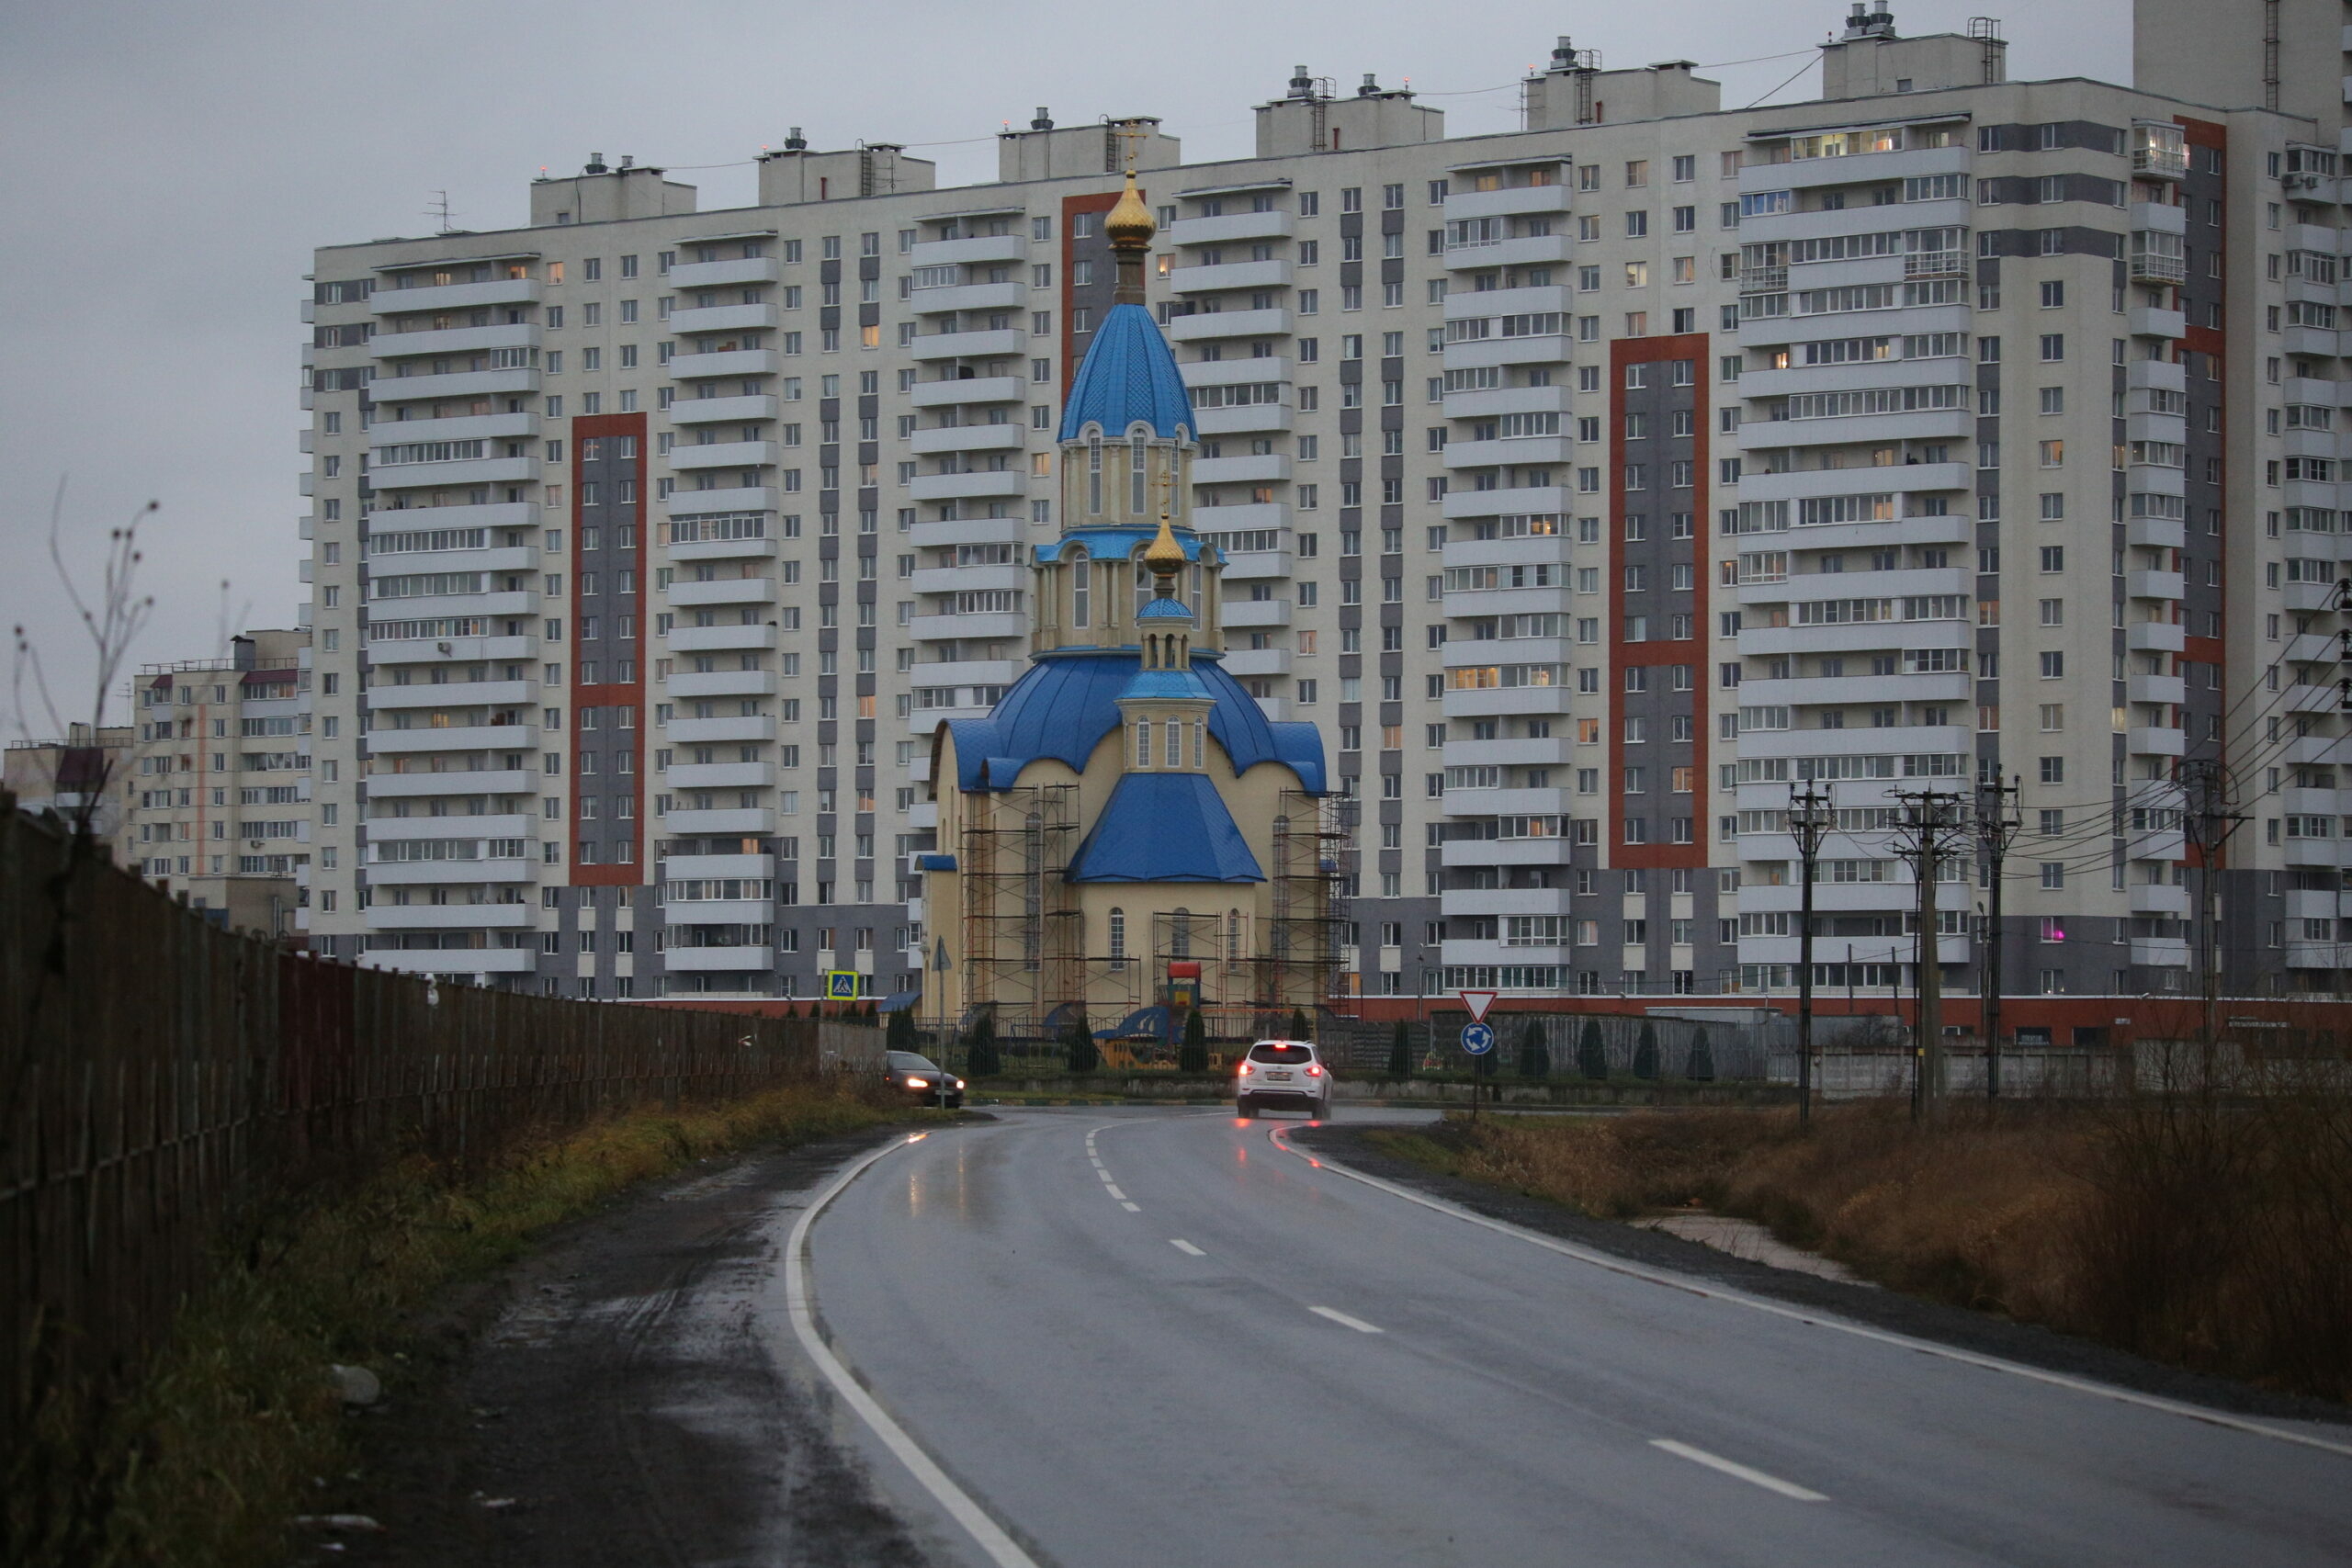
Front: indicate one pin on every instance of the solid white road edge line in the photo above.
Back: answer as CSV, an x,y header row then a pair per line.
x,y
1186,1247
1819,1320
1359,1324
1753,1477
1001,1548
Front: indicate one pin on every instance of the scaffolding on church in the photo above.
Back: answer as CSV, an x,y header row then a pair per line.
x,y
1300,964
1023,930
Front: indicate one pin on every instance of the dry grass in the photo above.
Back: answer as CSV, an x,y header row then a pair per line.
x,y
2213,1235
208,1462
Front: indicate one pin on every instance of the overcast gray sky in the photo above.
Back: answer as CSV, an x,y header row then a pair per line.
x,y
170,167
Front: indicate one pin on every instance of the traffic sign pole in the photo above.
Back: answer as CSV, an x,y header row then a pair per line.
x,y
1478,1039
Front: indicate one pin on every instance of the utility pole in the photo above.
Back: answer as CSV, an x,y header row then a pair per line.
x,y
2208,821
1997,823
1809,819
1930,825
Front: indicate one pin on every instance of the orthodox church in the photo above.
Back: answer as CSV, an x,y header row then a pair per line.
x,y
1127,830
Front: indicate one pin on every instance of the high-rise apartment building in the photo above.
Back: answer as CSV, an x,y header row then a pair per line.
x,y
217,781
1592,486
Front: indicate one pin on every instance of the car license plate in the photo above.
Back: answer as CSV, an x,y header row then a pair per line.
x,y
1283,1077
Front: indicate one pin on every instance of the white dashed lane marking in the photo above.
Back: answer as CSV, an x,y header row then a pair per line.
x,y
1186,1247
1359,1324
1732,1468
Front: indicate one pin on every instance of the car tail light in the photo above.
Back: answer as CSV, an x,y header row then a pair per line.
x,y
1245,1069
1314,1070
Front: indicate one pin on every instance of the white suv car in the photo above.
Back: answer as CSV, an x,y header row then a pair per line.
x,y
1287,1075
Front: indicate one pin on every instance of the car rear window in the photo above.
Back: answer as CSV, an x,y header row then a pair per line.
x,y
1288,1055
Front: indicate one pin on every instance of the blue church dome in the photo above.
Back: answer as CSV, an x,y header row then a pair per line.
x,y
1128,375
1066,703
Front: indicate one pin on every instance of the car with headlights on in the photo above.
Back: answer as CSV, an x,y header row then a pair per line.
x,y
922,1082
1283,1074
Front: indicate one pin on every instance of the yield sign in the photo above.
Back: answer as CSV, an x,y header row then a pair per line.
x,y
1478,1002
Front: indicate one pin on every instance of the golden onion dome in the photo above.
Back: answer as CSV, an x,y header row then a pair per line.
x,y
1129,226
1164,556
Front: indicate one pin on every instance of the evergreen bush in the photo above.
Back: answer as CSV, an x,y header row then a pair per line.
x,y
1534,1055
1400,1052
1194,1055
1645,1052
1592,1056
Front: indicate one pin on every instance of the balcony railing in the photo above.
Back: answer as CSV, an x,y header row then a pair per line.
x,y
1934,264
1763,279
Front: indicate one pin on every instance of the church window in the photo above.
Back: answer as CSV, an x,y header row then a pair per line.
x,y
1143,744
1200,756
1179,934
1094,474
1118,939
1082,583
1135,475
1175,744
1233,936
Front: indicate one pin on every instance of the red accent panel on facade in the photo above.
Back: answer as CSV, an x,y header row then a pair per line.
x,y
2202,133
612,694
1071,207
1693,346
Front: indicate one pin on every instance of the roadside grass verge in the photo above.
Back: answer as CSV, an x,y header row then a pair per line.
x,y
2213,1234
216,1451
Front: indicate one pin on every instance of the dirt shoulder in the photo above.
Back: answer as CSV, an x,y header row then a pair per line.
x,y
1982,1333
612,1400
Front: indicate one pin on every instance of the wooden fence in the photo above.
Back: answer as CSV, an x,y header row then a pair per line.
x,y
165,1083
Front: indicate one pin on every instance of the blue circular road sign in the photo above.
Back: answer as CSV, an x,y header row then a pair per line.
x,y
1477,1038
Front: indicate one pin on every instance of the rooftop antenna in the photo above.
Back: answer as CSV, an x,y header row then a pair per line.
x,y
439,209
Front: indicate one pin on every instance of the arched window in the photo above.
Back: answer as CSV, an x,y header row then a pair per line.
x,y
1179,934
1081,590
1094,474
1143,744
1200,750
1136,475
1118,939
1233,936
1175,748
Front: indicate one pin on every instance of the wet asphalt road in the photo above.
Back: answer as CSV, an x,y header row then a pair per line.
x,y
1180,1345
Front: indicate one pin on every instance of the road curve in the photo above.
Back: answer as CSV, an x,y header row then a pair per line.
x,y
1152,1337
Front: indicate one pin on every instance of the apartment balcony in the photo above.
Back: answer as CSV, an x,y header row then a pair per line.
x,y
1919,424
2146,584
2143,741
1506,399
2310,699
1479,353
967,530
1510,202
717,639
1456,902
716,912
683,868
722,410
1207,325
1253,517
2156,533
1230,275
1226,228
452,340
731,498
1524,250
1862,637
984,625
487,606
457,297
726,274
992,344
1234,372
2314,852
954,393
442,476
1860,168
449,873
723,590
384,916
454,694
452,385
962,672
1005,437
1478,303
747,820
1252,614
724,319
1810,691
1256,566
2169,690
722,683
458,737
692,960
395,830
728,362
473,427
722,550
721,775
1517,452
979,249
451,650
1505,852
1006,483
953,299
481,781
2160,952
1241,662
1248,420
1268,468
740,727
1011,576
1534,499
2311,596
723,454
1504,702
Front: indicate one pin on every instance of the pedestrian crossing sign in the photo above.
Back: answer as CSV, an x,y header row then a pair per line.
x,y
841,985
